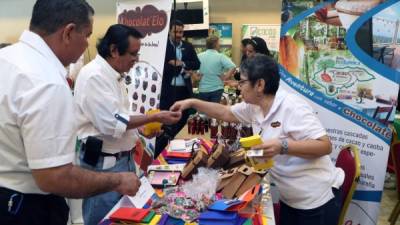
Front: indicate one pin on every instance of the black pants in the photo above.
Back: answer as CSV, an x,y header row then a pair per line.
x,y
170,131
327,214
32,209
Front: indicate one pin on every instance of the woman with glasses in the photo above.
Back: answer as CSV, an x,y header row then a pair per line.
x,y
292,135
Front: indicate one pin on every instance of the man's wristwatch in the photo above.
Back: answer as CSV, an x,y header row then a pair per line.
x,y
285,147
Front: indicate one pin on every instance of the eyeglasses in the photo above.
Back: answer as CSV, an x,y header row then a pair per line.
x,y
241,82
134,54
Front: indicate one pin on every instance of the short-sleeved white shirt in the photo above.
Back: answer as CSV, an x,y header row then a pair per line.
x,y
302,183
100,94
37,128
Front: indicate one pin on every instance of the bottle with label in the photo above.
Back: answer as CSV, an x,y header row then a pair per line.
x,y
198,124
190,124
225,130
213,128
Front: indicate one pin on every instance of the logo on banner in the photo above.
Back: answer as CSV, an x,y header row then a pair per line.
x,y
146,20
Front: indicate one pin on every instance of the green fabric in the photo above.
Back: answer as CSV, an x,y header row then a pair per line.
x,y
396,125
213,65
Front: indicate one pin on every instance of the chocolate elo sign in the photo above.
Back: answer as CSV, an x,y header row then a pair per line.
x,y
146,20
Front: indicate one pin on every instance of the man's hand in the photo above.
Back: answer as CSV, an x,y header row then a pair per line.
x,y
271,148
176,63
180,106
129,184
168,117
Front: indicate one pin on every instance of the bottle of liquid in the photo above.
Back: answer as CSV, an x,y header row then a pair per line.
x,y
213,128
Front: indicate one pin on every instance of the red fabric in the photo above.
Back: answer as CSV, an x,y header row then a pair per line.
x,y
277,208
396,158
346,161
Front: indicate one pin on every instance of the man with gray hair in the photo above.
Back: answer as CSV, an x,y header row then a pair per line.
x,y
37,125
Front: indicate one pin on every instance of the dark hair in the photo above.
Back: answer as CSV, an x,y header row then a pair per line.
x,y
259,45
175,23
262,67
118,35
211,42
245,41
50,15
3,45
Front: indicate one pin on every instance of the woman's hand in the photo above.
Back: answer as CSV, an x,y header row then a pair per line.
x,y
180,106
270,148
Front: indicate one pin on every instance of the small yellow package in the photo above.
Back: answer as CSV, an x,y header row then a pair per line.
x,y
255,160
153,127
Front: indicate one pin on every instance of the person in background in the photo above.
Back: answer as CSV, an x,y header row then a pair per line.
x,y
180,58
308,182
105,128
37,125
215,68
256,45
243,49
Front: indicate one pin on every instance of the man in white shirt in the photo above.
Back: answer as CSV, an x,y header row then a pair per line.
x,y
37,123
308,182
104,125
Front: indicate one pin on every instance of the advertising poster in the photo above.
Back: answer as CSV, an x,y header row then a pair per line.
x,y
221,30
269,32
151,18
351,82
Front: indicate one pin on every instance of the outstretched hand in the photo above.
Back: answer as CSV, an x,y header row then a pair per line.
x,y
180,106
169,117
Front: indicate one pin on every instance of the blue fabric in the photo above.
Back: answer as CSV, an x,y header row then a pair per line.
x,y
214,96
178,81
212,66
95,208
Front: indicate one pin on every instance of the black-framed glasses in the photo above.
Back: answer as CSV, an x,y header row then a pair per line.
x,y
134,54
242,81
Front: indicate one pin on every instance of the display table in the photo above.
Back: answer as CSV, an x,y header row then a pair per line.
x,y
267,204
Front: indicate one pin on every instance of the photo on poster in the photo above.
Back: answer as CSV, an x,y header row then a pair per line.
x,y
315,51
386,36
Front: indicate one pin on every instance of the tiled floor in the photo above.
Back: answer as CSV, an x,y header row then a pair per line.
x,y
388,202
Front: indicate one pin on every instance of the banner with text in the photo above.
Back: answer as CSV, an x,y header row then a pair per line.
x,y
268,32
151,18
351,82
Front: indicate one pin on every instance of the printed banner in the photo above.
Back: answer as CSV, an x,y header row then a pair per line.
x,y
221,30
151,18
269,32
342,56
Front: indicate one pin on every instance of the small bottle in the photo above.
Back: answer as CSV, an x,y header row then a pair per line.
x,y
213,128
198,124
225,130
233,131
224,101
190,124
206,123
202,126
194,126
